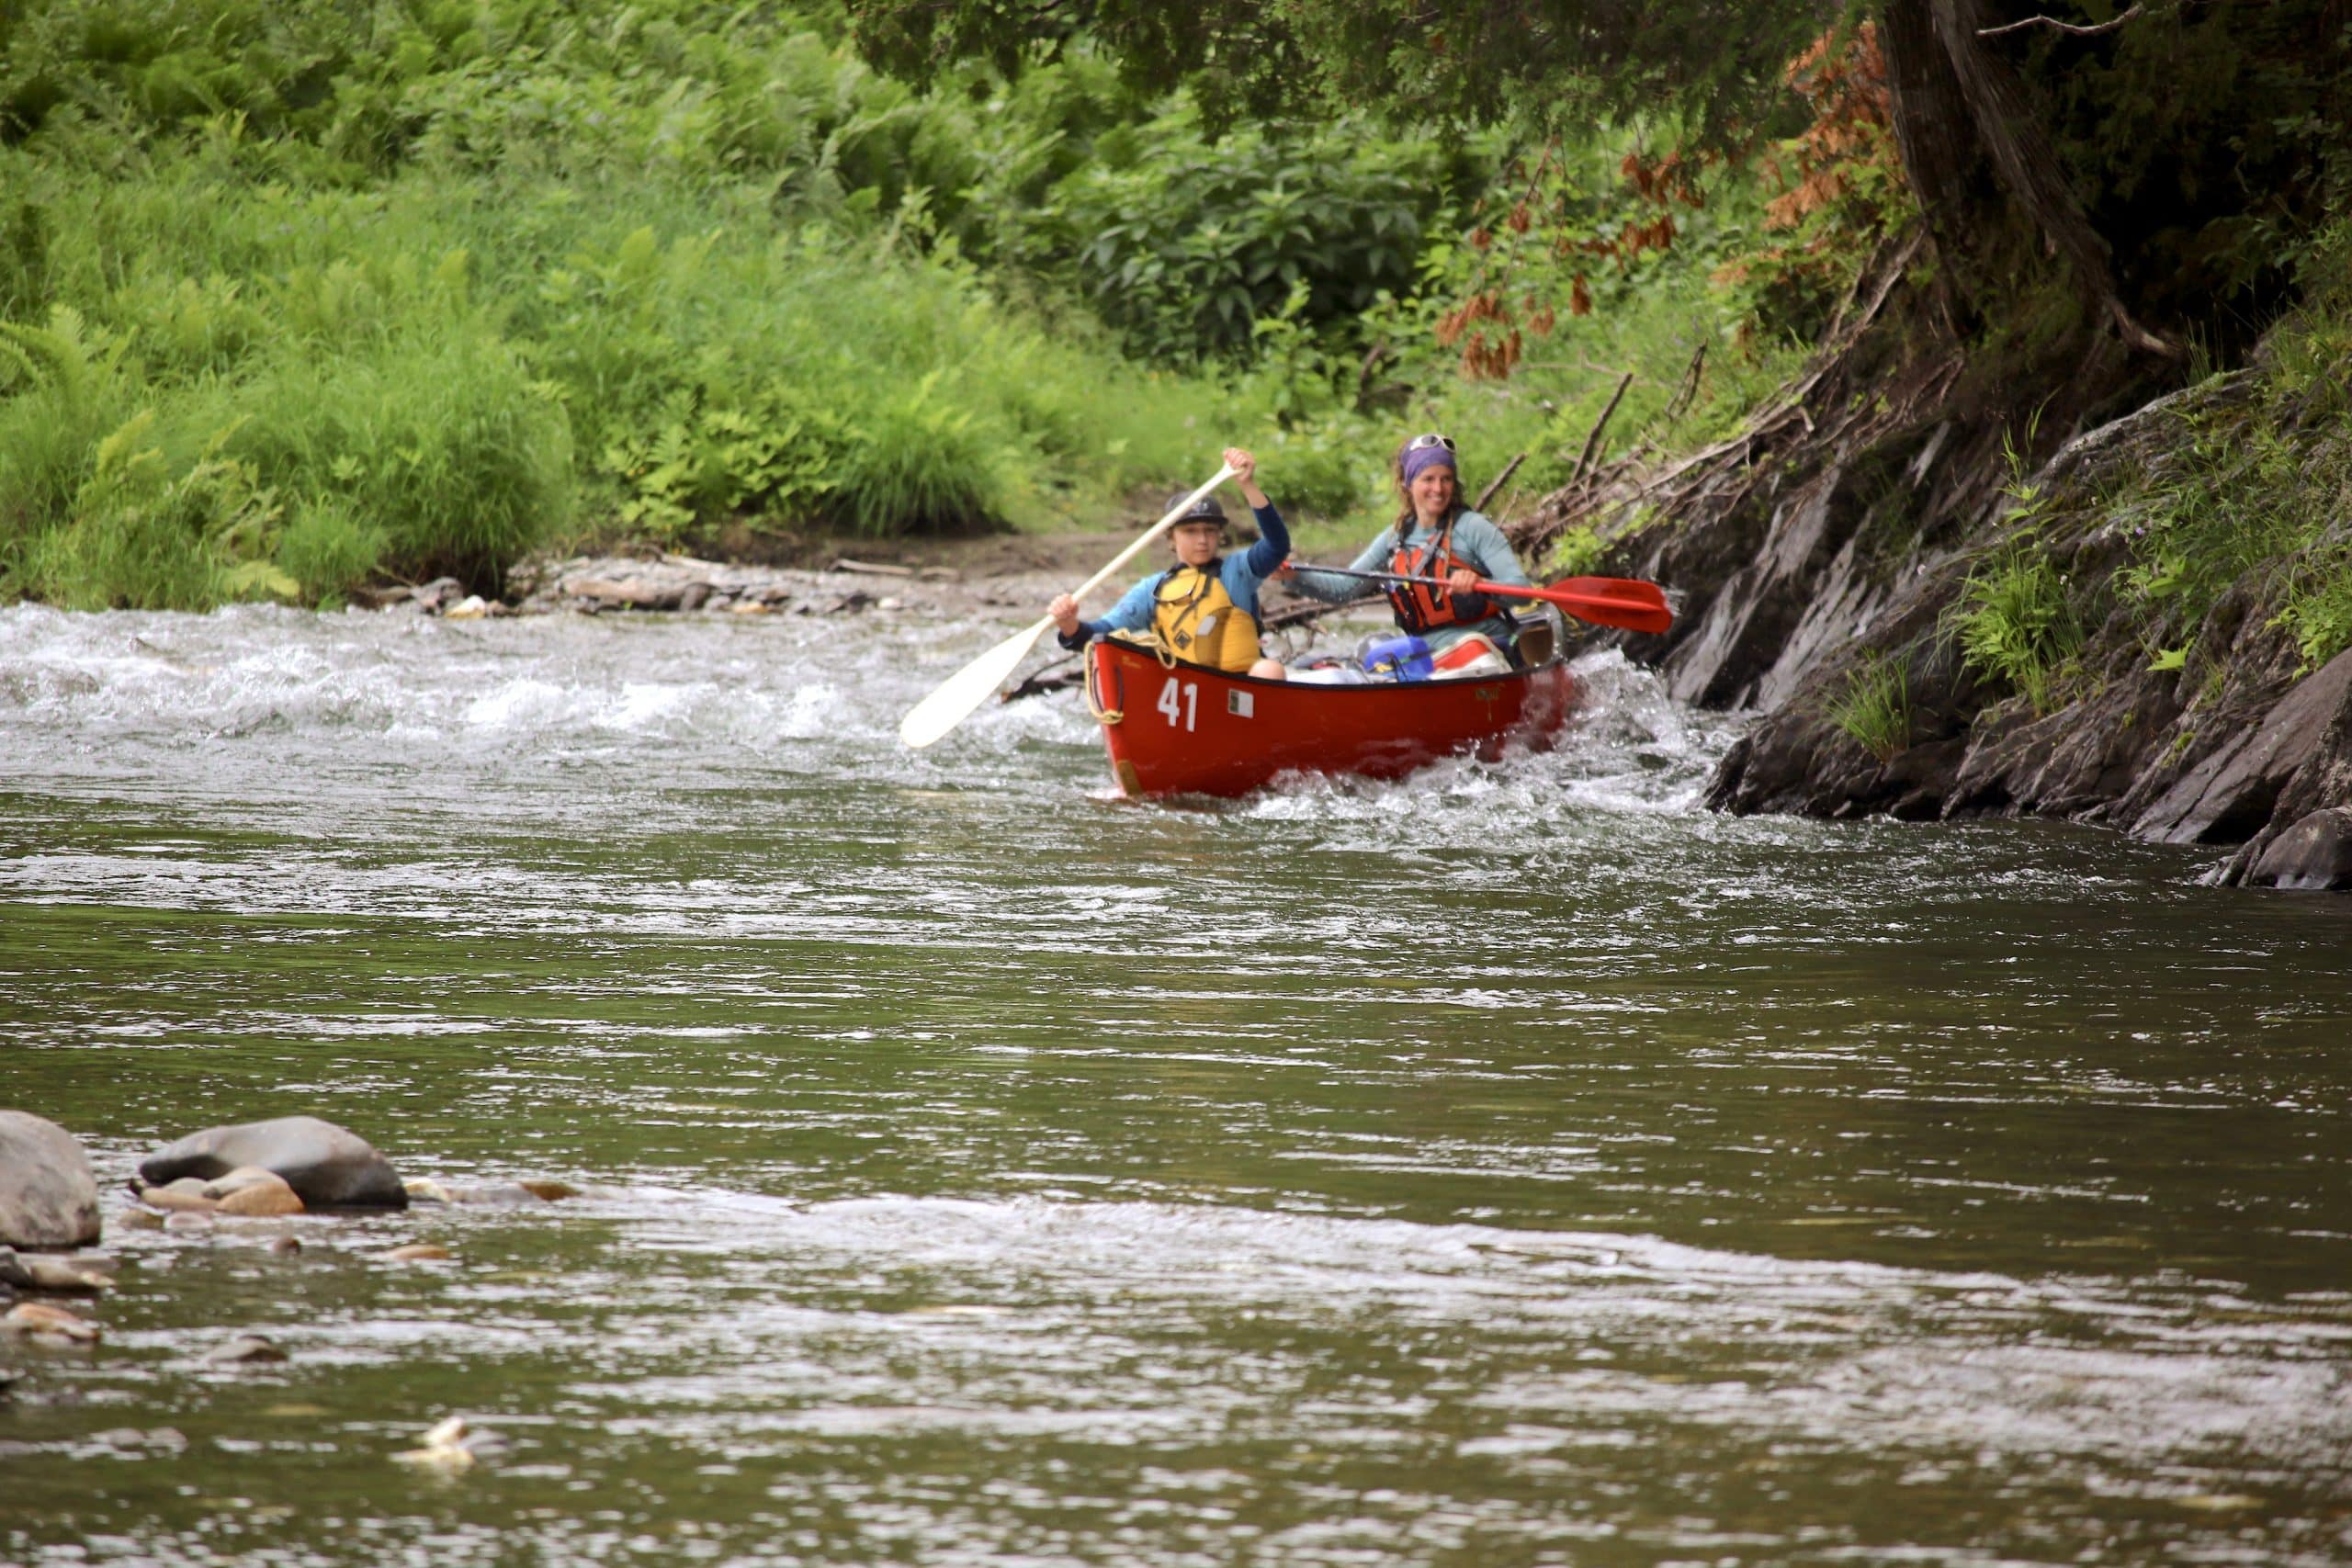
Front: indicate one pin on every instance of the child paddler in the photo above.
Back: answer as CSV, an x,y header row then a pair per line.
x,y
1204,608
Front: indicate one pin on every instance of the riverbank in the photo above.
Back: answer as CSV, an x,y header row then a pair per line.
x,y
2115,608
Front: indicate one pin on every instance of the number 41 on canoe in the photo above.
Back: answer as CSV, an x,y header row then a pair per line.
x,y
1622,602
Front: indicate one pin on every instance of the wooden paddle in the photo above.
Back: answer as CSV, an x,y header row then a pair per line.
x,y
1625,601
955,697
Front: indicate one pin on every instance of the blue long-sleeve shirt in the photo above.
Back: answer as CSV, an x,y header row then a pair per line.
x,y
1240,573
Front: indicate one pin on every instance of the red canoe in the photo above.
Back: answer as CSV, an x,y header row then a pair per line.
x,y
1188,729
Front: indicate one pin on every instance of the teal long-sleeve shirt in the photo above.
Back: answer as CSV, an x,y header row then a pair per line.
x,y
1476,542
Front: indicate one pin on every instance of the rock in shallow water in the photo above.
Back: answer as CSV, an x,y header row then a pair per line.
x,y
454,1445
62,1274
35,1320
263,1198
494,1194
180,1197
327,1167
246,1347
2315,854
47,1197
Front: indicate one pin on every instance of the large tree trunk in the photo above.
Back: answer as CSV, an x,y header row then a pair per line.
x,y
1932,129
1958,106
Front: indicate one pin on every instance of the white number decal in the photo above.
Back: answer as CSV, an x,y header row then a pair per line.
x,y
1168,701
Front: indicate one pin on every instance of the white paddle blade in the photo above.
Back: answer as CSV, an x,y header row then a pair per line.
x,y
967,688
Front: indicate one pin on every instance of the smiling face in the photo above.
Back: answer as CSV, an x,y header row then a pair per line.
x,y
1431,492
1197,543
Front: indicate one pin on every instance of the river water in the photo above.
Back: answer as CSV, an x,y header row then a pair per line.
x,y
1515,1165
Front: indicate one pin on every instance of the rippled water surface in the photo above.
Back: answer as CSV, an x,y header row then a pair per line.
x,y
1517,1165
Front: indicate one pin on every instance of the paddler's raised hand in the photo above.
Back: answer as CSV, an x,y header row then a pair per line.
x,y
1461,579
1244,474
1064,611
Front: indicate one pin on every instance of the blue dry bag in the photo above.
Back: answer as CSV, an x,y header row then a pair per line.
x,y
1397,659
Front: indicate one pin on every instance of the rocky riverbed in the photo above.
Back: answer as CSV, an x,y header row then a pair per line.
x,y
237,1184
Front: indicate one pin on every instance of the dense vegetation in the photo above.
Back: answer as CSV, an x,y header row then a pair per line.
x,y
2073,209
292,299
296,298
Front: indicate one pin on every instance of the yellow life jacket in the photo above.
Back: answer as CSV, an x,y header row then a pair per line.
x,y
1195,619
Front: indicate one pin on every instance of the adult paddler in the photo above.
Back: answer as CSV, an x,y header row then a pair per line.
x,y
1204,609
1434,535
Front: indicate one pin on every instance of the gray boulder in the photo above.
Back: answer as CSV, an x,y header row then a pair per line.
x,y
47,1197
2314,853
327,1167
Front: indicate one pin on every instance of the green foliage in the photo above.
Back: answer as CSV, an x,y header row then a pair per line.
x,y
327,549
2015,624
1461,60
1578,552
1186,244
445,444
148,533
2014,619
2318,610
1874,708
2247,491
2218,518
517,270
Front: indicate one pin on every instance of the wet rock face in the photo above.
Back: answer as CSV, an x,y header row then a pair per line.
x,y
47,1197
2237,741
2314,854
327,1167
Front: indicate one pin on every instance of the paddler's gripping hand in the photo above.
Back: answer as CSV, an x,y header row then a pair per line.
x,y
1064,611
1244,474
1461,579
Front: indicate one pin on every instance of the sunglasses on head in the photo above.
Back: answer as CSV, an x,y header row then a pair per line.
x,y
1418,442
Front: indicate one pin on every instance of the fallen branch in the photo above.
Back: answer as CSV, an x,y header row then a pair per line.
x,y
1687,389
1502,478
1592,440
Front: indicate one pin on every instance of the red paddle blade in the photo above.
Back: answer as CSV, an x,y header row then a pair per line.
x,y
1624,601
1628,588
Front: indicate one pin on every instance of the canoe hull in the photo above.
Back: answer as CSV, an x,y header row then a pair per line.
x,y
1188,729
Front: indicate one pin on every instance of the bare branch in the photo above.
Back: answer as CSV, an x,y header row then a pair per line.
x,y
1501,479
1592,440
2106,27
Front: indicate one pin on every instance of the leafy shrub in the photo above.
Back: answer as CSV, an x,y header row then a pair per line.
x,y
145,537
449,448
1183,243
2015,624
1874,708
328,549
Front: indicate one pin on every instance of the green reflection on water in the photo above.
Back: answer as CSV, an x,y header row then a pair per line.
x,y
1143,1187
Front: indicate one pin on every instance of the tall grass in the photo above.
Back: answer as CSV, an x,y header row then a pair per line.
x,y
1873,709
440,374
2015,624
401,290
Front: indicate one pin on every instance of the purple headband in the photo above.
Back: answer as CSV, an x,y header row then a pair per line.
x,y
1421,457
